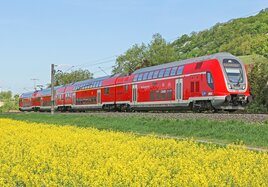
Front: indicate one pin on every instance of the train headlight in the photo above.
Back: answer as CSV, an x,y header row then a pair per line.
x,y
229,86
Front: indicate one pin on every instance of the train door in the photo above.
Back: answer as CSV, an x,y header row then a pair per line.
x,y
74,98
99,97
134,93
179,90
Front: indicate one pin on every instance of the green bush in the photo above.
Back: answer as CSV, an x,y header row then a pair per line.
x,y
258,82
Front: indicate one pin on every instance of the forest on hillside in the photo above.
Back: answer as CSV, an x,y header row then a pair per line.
x,y
241,37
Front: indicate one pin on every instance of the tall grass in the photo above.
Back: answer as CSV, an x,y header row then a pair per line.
x,y
221,131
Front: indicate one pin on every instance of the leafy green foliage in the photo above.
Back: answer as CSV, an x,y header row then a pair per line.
x,y
243,36
258,81
9,102
62,78
139,56
251,59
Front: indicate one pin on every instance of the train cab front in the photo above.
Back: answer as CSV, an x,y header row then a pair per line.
x,y
238,95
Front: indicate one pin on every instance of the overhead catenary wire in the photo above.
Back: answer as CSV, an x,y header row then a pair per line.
x,y
95,62
113,57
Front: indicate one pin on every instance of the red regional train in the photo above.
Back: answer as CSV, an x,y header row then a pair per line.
x,y
213,82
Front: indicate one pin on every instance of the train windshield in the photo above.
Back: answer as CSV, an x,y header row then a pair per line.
x,y
233,70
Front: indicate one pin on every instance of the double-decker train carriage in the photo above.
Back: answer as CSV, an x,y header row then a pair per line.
x,y
45,103
216,81
25,101
213,82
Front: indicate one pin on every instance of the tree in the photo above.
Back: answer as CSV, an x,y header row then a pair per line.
x,y
258,82
160,52
5,95
241,36
10,103
140,56
133,58
62,78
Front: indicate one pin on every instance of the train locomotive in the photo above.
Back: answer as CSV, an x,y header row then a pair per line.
x,y
208,83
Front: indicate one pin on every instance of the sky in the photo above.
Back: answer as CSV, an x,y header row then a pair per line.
x,y
90,34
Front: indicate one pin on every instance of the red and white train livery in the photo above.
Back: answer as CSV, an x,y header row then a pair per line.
x,y
213,82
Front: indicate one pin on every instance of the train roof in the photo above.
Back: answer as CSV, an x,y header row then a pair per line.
x,y
45,92
27,95
90,83
187,61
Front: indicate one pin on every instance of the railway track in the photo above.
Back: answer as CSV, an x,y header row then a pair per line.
x,y
245,117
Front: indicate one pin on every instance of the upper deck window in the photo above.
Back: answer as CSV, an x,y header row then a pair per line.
x,y
145,76
100,83
167,72
180,69
150,76
136,77
173,71
140,77
161,73
155,74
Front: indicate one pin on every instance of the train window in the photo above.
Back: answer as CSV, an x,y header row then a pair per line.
x,y
150,76
155,74
126,88
140,77
163,94
173,71
167,72
145,76
161,73
152,95
233,70
180,69
192,86
106,91
210,80
196,86
169,94
100,83
136,77
157,95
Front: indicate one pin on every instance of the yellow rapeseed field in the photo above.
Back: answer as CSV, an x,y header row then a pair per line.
x,y
48,155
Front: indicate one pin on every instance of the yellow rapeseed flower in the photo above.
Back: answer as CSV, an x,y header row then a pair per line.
x,y
34,154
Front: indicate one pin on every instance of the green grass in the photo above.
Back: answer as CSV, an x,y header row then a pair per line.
x,y
250,59
221,131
